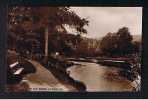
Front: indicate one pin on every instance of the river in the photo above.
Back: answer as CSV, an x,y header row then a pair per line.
x,y
99,78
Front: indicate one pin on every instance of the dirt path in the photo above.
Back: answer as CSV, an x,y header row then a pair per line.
x,y
44,80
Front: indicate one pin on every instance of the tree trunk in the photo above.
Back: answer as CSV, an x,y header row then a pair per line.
x,y
46,44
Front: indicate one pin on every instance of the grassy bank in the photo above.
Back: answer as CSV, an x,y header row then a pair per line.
x,y
58,69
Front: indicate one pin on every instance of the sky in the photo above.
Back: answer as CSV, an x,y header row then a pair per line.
x,y
109,19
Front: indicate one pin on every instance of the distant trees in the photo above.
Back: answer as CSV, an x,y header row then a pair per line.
x,y
60,43
119,43
137,46
124,42
108,44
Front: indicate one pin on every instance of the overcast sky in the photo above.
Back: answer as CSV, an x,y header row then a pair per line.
x,y
109,19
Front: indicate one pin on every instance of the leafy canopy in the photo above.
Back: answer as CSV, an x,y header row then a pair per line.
x,y
32,18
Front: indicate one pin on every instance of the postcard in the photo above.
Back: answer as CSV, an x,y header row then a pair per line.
x,y
74,49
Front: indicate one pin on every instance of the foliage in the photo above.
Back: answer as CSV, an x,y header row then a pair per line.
x,y
31,22
32,18
119,43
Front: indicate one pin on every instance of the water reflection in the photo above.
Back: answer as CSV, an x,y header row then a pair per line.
x,y
99,78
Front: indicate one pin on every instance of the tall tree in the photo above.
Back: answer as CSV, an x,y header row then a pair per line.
x,y
119,43
124,41
24,20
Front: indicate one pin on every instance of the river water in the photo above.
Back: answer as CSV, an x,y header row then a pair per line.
x,y
99,78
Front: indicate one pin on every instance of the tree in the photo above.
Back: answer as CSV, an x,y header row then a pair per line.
x,y
108,44
117,44
124,41
137,46
32,18
24,20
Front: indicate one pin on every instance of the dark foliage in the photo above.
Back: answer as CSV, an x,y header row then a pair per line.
x,y
119,44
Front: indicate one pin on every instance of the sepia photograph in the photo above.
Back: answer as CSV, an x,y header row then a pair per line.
x,y
74,49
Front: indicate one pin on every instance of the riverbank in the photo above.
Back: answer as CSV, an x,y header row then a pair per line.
x,y
48,80
84,75
63,76
124,64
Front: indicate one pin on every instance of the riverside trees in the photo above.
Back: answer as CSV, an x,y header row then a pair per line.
x,y
119,43
42,21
